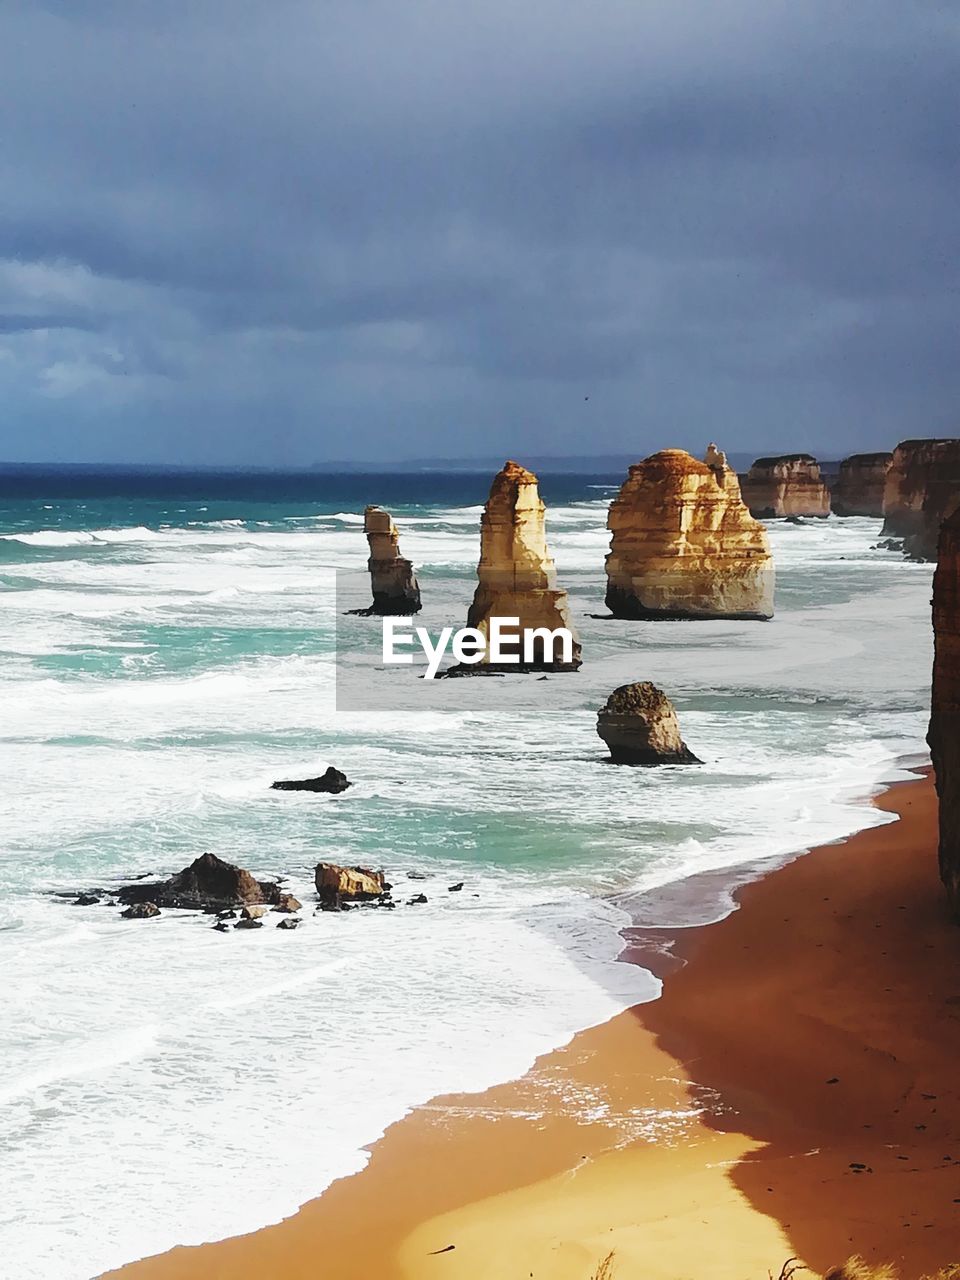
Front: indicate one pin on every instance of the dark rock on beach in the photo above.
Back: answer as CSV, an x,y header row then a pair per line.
x,y
419,900
291,922
331,782
209,882
248,923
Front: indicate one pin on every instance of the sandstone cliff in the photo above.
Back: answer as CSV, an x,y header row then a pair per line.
x,y
395,589
944,735
639,725
860,485
790,485
922,489
684,544
517,577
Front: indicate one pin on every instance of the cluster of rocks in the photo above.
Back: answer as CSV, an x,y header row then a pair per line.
x,y
240,901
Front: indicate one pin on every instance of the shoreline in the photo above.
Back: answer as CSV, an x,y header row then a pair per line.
x,y
714,1131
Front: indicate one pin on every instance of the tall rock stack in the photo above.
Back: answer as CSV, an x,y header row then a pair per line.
x,y
922,489
790,485
395,589
684,545
517,577
860,485
944,734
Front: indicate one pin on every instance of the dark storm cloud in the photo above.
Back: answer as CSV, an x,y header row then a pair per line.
x,y
280,232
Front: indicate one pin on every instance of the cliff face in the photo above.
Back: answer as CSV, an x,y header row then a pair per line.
x,y
860,485
944,734
684,544
922,489
790,485
395,589
517,577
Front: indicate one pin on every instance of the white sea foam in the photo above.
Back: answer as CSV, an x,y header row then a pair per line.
x,y
150,697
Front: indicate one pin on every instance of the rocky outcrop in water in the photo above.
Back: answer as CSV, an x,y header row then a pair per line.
x,y
208,884
338,885
639,725
789,485
860,486
944,733
395,588
684,545
922,490
517,577
331,781
141,911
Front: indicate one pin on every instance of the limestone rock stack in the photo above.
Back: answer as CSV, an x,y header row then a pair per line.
x,y
860,485
944,735
517,577
790,485
639,725
395,588
922,489
684,545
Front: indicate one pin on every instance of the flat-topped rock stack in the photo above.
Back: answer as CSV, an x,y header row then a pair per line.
x,y
944,734
684,545
785,486
517,576
395,588
860,485
922,490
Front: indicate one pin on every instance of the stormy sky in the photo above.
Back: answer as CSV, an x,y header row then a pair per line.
x,y
288,231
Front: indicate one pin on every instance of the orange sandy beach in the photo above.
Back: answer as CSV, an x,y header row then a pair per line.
x,y
795,1091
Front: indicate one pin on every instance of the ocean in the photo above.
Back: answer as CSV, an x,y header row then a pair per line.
x,y
171,644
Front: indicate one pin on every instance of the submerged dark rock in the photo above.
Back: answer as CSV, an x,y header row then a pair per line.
x,y
209,882
86,900
332,782
291,922
248,923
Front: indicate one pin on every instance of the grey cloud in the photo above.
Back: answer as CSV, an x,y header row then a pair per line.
x,y
730,219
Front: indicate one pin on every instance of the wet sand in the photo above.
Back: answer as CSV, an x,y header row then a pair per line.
x,y
795,1091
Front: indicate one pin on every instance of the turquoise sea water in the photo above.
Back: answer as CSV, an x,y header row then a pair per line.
x,y
170,645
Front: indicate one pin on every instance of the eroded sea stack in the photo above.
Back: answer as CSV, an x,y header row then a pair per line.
x,y
517,577
639,725
395,588
790,485
860,485
684,545
922,490
944,734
